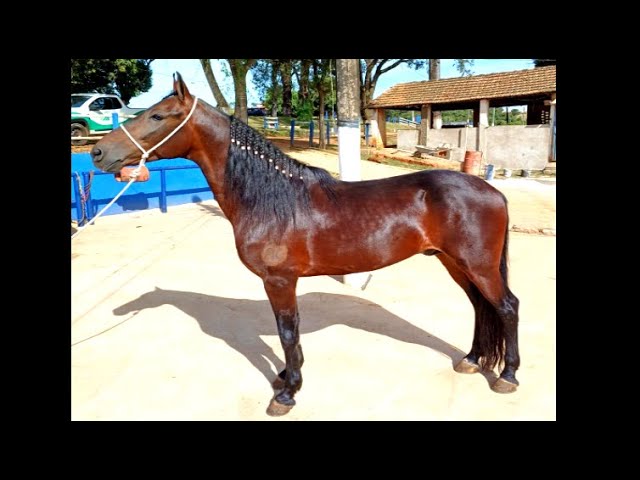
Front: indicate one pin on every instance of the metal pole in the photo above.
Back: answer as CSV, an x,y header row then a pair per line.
x,y
114,121
293,130
163,191
311,133
328,131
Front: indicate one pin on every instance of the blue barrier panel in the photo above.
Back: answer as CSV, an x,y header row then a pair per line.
x,y
183,183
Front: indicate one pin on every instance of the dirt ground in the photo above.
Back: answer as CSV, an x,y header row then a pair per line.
x,y
167,324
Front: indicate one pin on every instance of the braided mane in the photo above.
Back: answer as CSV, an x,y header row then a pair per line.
x,y
266,182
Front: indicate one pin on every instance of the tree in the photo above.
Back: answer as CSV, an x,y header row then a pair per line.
x,y
434,74
544,62
285,75
125,77
321,70
213,84
464,66
303,81
434,69
371,70
239,69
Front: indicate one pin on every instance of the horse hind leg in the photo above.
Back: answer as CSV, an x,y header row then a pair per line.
x,y
470,363
495,336
498,328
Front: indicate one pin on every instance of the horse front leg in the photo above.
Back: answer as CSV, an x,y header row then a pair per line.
x,y
281,291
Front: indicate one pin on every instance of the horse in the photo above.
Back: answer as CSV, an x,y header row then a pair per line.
x,y
292,220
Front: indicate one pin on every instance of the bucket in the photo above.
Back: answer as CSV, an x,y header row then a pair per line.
x,y
488,175
472,161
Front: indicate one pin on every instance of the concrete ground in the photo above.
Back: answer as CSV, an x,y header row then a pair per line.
x,y
167,324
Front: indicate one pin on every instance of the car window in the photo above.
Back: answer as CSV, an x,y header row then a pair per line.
x,y
111,103
97,104
78,100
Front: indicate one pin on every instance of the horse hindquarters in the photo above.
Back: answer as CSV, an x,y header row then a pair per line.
x,y
473,238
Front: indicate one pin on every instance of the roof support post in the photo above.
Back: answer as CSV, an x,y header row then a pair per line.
x,y
552,131
437,120
484,113
378,128
425,123
483,124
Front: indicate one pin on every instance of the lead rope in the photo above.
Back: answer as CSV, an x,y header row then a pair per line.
x,y
143,159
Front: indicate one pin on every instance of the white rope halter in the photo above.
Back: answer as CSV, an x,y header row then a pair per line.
x,y
146,153
143,159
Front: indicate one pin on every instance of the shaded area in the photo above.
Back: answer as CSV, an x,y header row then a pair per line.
x,y
240,323
213,209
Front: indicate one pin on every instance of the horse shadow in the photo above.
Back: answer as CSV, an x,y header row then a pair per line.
x,y
212,209
240,323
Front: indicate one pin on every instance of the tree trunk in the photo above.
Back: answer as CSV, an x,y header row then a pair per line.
x,y
239,69
365,97
434,74
213,84
434,69
285,72
275,66
367,87
304,81
321,126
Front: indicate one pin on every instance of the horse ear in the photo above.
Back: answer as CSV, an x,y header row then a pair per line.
x,y
180,87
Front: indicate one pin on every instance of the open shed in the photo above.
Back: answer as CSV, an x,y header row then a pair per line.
x,y
514,146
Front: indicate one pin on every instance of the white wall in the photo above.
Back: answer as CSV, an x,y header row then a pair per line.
x,y
518,146
513,146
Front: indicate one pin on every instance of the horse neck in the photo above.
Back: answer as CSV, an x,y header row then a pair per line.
x,y
210,150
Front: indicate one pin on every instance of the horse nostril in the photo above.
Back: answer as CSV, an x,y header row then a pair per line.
x,y
96,153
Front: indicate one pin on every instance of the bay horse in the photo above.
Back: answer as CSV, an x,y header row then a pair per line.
x,y
291,220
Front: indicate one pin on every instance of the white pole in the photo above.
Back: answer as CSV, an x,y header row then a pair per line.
x,y
348,90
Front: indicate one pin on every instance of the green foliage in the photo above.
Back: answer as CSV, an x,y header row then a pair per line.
x,y
457,116
125,77
261,78
304,111
516,116
463,65
401,113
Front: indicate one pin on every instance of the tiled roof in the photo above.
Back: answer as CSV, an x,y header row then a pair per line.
x,y
476,87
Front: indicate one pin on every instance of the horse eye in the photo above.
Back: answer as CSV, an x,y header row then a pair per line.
x,y
156,117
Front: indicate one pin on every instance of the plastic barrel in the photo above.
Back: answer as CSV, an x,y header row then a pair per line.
x,y
471,164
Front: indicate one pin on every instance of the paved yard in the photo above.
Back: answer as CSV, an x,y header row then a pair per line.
x,y
167,324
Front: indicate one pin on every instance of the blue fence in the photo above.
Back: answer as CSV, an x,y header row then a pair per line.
x,y
172,182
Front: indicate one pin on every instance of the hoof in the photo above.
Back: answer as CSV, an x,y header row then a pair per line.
x,y
276,409
466,366
278,383
504,386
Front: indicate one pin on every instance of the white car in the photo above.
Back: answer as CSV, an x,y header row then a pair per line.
x,y
92,114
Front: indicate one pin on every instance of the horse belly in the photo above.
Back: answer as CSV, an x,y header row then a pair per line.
x,y
360,246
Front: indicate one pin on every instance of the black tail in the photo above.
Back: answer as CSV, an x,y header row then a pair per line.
x,y
491,341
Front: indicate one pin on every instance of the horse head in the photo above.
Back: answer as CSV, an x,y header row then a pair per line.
x,y
116,150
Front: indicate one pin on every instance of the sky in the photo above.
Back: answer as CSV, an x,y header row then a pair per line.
x,y
193,75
